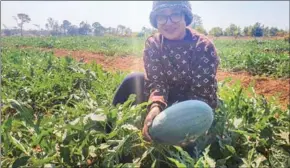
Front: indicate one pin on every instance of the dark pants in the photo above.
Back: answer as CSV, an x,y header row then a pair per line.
x,y
134,84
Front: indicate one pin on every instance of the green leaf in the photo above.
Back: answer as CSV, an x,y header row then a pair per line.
x,y
184,154
259,160
145,154
22,161
177,163
237,122
285,147
208,159
245,133
231,149
6,129
38,138
7,125
65,154
18,145
104,146
130,127
222,162
92,151
95,117
199,163
49,165
153,164
25,112
40,162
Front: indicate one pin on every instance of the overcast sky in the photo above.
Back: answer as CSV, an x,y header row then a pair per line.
x,y
136,14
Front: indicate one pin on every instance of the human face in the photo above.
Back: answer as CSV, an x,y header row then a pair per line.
x,y
171,24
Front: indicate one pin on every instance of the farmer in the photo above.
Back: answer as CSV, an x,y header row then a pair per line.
x,y
180,64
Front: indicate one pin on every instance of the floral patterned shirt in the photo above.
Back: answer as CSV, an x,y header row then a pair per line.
x,y
181,69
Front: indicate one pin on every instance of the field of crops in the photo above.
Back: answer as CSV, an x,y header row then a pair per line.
x,y
55,110
259,57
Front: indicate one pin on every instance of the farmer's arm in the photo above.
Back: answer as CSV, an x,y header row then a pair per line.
x,y
154,75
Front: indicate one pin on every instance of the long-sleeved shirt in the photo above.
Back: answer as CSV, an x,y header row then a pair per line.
x,y
186,67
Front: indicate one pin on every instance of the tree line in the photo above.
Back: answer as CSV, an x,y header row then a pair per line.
x,y
66,28
256,30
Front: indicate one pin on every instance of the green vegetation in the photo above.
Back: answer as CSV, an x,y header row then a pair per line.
x,y
106,45
259,57
45,101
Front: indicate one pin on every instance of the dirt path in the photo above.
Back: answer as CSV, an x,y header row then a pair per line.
x,y
266,86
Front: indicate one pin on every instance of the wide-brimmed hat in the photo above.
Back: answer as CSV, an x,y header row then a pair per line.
x,y
184,6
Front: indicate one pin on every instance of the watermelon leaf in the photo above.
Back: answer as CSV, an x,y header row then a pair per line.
x,y
19,145
177,163
209,161
231,149
199,163
153,164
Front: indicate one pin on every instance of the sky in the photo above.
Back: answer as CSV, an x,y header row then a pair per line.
x,y
135,14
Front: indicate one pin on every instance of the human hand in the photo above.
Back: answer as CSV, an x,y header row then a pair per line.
x,y
148,122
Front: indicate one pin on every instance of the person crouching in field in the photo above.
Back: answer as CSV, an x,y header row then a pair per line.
x,y
180,64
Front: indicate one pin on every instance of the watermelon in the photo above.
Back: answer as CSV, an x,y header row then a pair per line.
x,y
181,122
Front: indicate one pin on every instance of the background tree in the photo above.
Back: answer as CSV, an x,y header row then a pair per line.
x,y
20,20
196,21
109,30
281,33
146,32
84,28
98,29
73,30
65,26
273,31
6,31
121,29
56,29
48,25
128,32
114,31
216,31
52,26
246,31
232,30
197,24
37,26
257,30
266,31
201,29
250,31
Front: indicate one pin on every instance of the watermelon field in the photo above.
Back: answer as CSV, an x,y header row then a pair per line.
x,y
55,109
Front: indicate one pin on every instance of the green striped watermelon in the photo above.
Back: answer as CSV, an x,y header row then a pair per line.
x,y
180,122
